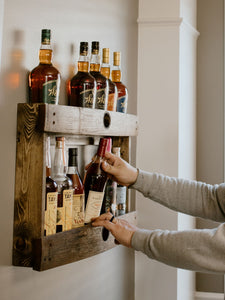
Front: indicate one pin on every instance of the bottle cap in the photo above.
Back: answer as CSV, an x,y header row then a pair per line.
x,y
116,58
60,138
95,47
105,55
84,48
46,36
73,157
102,147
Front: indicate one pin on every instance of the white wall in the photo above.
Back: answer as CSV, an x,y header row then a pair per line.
x,y
166,142
113,23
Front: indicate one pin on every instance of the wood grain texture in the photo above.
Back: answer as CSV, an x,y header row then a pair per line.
x,y
28,185
86,121
70,246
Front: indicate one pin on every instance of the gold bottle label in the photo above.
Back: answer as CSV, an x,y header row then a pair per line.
x,y
78,210
67,203
94,204
50,213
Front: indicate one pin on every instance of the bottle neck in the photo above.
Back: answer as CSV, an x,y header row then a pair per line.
x,y
105,70
95,63
48,172
45,54
116,74
83,63
72,170
59,167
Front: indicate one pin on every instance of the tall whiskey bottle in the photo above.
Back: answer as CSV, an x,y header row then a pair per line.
x,y
102,82
94,184
121,191
105,70
82,90
44,80
50,196
122,90
65,190
78,192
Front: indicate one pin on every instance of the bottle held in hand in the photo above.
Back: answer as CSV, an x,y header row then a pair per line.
x,y
94,184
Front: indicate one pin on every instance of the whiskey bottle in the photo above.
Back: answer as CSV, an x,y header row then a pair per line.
x,y
78,189
109,201
82,90
102,82
44,80
121,88
65,190
105,70
51,195
94,184
121,191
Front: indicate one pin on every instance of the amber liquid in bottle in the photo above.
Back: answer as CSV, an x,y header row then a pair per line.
x,y
102,82
44,80
94,184
121,88
50,197
78,190
82,90
105,70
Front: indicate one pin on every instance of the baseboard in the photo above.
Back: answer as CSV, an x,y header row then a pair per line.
x,y
208,296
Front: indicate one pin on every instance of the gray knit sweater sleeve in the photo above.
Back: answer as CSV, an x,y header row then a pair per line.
x,y
199,250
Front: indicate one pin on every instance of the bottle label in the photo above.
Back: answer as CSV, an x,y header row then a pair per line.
x,y
93,207
78,210
60,219
68,202
122,104
121,200
100,99
87,98
111,102
50,213
51,92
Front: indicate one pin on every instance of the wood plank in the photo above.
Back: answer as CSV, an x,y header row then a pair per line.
x,y
86,121
29,185
70,246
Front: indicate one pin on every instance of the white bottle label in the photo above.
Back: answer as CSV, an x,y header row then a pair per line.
x,y
94,204
78,210
68,202
50,213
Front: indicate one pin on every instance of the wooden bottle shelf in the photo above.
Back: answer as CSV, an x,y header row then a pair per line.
x,y
34,124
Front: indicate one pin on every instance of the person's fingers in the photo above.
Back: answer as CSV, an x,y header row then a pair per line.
x,y
105,223
111,158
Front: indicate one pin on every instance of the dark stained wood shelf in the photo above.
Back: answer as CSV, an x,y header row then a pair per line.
x,y
34,124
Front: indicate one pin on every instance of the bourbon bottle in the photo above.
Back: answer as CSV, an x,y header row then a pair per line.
x,y
82,90
65,190
102,82
105,70
44,80
122,90
50,196
94,184
78,189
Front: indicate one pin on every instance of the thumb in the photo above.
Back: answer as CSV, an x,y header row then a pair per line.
x,y
108,168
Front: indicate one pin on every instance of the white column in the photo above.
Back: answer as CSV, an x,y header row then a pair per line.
x,y
166,141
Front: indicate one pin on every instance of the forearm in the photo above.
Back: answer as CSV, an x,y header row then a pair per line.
x,y
190,197
197,250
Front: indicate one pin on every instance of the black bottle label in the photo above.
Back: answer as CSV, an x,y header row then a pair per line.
x,y
50,92
87,98
100,99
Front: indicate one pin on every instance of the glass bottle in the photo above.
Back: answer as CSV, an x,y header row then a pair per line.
x,y
94,184
109,201
121,88
82,90
105,70
51,195
121,191
102,82
78,189
65,190
44,80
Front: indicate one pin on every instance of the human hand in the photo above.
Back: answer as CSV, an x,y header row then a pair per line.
x,y
119,170
120,229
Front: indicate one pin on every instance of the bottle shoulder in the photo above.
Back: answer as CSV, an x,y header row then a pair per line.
x,y
48,69
84,76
